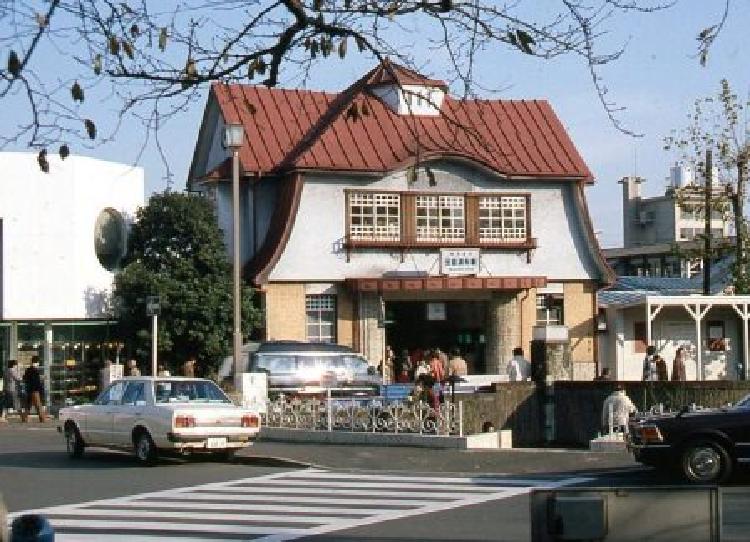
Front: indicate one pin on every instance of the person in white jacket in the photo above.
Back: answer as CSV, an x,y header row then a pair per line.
x,y
519,368
621,407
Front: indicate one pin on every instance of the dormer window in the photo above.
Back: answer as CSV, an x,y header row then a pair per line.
x,y
405,91
411,99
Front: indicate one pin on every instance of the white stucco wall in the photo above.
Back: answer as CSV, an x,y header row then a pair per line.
x,y
315,252
50,269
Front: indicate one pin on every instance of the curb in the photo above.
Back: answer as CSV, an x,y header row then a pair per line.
x,y
274,461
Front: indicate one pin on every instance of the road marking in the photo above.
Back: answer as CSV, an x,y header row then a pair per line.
x,y
277,507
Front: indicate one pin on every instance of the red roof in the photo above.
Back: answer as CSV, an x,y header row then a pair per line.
x,y
288,130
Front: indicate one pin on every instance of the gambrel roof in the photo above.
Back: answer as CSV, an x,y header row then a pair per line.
x,y
355,131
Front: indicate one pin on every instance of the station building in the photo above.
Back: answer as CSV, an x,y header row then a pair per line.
x,y
392,213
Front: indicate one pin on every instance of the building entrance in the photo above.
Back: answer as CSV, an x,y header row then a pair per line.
x,y
419,326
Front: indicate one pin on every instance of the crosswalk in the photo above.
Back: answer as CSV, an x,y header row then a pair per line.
x,y
277,507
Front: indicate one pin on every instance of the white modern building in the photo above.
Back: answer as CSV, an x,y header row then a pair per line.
x,y
62,237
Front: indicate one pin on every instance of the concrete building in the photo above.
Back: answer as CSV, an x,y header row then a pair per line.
x,y
62,237
393,214
654,227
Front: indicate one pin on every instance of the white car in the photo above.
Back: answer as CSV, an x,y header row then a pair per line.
x,y
153,414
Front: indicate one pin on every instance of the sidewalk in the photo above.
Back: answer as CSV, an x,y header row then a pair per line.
x,y
546,461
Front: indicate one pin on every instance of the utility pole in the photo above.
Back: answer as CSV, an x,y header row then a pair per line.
x,y
739,217
707,228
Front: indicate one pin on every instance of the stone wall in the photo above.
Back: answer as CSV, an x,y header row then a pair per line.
x,y
519,406
503,331
579,312
514,405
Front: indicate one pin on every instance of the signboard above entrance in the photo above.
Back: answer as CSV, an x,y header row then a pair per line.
x,y
455,262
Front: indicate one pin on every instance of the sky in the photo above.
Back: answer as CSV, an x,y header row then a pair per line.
x,y
657,80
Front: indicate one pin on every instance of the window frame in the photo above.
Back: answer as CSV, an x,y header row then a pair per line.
x,y
408,222
547,308
320,312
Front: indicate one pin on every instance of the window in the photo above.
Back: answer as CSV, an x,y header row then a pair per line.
x,y
404,219
716,341
440,218
188,391
112,395
374,217
502,218
135,393
321,318
639,337
549,310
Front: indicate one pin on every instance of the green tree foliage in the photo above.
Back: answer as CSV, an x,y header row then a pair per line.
x,y
176,252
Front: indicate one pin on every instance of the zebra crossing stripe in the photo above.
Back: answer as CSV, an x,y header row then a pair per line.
x,y
277,507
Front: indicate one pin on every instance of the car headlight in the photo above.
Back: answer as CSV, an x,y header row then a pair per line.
x,y
650,434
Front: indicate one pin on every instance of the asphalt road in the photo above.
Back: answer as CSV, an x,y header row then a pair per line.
x,y
419,494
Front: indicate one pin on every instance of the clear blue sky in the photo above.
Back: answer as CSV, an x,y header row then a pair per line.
x,y
657,80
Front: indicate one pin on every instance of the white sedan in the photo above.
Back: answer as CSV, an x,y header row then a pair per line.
x,y
149,415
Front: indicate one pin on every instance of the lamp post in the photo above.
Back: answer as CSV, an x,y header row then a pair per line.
x,y
233,136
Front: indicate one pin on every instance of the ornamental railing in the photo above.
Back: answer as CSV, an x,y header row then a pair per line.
x,y
373,414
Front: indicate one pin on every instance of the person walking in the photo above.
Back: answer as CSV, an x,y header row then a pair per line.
x,y
661,368
678,365
457,365
616,411
437,369
12,385
650,369
132,368
32,379
519,368
188,368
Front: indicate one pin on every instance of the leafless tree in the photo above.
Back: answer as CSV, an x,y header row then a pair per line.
x,y
151,57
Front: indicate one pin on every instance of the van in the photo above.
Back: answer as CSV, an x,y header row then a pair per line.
x,y
295,366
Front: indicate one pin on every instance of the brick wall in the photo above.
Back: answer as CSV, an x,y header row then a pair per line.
x,y
345,315
579,318
285,311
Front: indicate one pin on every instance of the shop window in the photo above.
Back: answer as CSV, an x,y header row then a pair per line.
x,y
502,218
549,310
321,318
440,218
374,217
639,337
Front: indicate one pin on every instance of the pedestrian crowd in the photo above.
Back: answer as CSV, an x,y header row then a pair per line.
x,y
22,393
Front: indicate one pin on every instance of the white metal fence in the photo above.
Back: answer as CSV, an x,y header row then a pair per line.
x,y
374,414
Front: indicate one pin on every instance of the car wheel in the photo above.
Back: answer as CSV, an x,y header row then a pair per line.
x,y
705,462
74,442
145,450
226,455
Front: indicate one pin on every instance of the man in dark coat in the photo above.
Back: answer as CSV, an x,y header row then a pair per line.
x,y
32,379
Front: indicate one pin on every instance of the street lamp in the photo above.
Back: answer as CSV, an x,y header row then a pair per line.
x,y
233,137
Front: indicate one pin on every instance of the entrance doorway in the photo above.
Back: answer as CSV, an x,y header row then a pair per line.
x,y
420,325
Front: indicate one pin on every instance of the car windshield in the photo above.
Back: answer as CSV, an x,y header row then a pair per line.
x,y
188,391
744,402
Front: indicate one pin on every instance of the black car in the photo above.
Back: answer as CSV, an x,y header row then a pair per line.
x,y
705,445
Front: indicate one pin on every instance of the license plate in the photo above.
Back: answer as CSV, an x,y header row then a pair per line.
x,y
216,442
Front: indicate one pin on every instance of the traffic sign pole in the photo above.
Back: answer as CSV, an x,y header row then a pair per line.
x,y
154,330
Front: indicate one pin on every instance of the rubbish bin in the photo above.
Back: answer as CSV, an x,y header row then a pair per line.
x,y
31,528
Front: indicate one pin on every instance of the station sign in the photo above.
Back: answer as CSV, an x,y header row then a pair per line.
x,y
455,262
